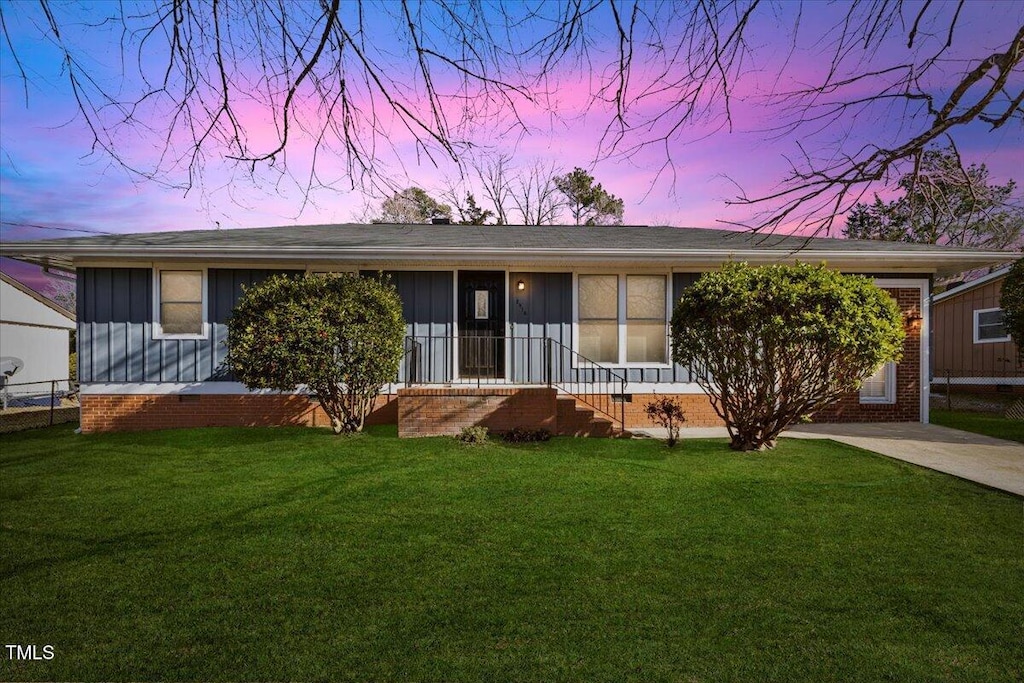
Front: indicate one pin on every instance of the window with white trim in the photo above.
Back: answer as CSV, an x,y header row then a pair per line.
x,y
646,336
599,317
181,304
880,387
990,326
623,318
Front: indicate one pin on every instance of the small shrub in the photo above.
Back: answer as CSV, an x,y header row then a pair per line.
x,y
474,436
525,435
667,412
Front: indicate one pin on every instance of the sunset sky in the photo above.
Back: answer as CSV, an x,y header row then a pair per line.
x,y
50,177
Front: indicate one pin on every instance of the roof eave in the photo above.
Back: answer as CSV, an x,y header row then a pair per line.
x,y
66,257
972,285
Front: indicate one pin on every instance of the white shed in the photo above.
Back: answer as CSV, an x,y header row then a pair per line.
x,y
37,332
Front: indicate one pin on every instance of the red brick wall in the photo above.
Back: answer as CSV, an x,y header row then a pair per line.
x,y
907,407
696,407
125,413
433,412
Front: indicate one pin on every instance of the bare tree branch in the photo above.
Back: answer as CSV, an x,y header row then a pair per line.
x,y
335,95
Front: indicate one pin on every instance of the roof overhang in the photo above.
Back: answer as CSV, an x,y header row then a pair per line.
x,y
973,284
68,257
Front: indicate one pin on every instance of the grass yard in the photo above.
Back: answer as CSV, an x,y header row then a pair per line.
x,y
290,554
980,423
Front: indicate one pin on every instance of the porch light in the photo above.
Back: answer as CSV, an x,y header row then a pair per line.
x,y
520,285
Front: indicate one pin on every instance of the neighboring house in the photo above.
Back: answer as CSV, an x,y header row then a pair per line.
x,y
972,350
36,332
557,326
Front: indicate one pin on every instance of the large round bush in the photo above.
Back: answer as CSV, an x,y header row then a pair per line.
x,y
340,336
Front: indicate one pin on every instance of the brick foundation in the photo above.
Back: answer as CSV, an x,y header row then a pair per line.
x,y
696,407
433,412
128,413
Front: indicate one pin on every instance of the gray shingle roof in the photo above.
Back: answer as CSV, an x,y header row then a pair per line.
x,y
559,237
382,245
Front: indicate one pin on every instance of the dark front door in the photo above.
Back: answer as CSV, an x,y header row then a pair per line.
x,y
482,324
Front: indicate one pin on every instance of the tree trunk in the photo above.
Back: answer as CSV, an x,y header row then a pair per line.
x,y
751,440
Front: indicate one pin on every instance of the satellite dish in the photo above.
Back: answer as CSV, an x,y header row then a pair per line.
x,y
10,365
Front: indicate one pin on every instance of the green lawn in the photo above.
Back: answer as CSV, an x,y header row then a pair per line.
x,y
980,423
291,554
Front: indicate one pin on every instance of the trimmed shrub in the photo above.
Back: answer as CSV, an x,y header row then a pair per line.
x,y
340,336
773,344
526,435
1012,302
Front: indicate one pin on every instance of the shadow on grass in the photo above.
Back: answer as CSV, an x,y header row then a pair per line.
x,y
108,545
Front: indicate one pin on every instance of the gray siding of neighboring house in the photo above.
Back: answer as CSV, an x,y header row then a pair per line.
x,y
115,328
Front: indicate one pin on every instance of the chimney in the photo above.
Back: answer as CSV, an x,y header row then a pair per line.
x,y
440,220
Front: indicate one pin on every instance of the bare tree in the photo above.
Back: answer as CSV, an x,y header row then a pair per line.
x,y
411,205
535,194
493,174
344,81
944,203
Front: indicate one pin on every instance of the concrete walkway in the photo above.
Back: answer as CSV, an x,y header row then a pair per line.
x,y
983,459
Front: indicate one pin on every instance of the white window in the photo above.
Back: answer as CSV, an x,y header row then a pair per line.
x,y
880,387
989,326
599,317
623,319
646,334
180,296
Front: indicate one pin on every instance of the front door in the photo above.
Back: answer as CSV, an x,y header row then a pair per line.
x,y
482,324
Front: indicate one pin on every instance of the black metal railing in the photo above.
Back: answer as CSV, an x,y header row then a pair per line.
x,y
596,386
483,360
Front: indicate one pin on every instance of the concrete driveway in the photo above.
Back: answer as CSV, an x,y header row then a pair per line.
x,y
975,457
983,459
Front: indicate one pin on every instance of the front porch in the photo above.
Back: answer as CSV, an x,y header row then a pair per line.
x,y
446,411
503,382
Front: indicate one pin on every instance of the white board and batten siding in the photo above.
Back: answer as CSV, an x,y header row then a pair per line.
x,y
37,332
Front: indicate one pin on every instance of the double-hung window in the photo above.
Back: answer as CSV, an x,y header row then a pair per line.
x,y
990,326
181,304
623,318
880,387
646,333
599,317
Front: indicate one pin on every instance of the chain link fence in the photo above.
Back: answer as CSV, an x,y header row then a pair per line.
x,y
1003,395
30,405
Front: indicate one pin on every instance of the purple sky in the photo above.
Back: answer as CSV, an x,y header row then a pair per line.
x,y
48,177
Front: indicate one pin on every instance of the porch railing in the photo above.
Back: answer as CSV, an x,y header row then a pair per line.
x,y
492,360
